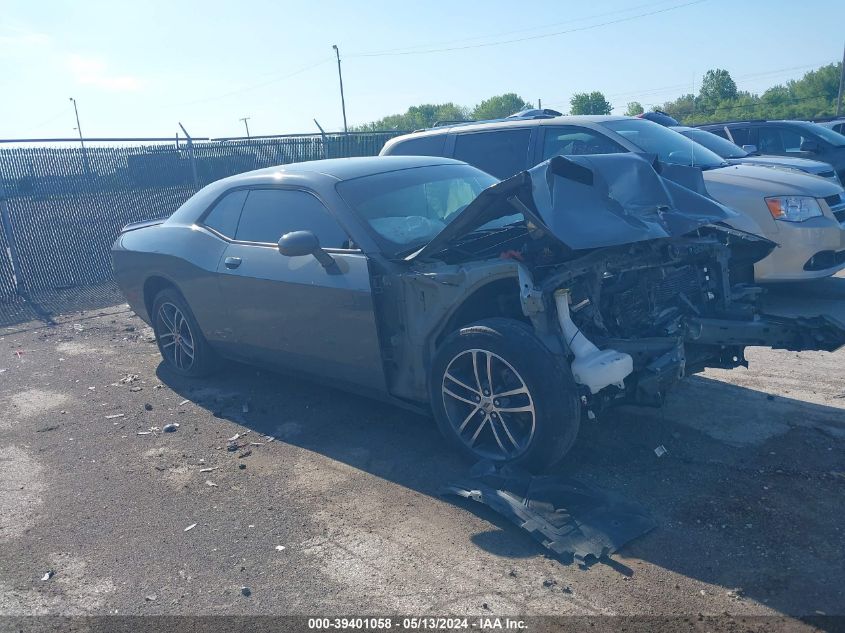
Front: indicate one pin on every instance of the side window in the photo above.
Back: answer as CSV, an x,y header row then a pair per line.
x,y
573,141
779,140
791,140
270,213
501,153
432,145
223,217
741,135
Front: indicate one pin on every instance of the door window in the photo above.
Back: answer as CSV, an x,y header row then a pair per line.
x,y
741,135
779,140
431,145
270,213
575,141
501,153
224,215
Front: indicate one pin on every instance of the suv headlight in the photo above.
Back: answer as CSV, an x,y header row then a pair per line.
x,y
793,208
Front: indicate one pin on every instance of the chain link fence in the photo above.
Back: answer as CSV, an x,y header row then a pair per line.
x,y
62,207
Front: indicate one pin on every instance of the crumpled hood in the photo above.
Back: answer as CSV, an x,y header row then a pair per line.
x,y
594,201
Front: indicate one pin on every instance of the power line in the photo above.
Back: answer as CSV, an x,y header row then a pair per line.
x,y
511,32
251,87
743,106
528,38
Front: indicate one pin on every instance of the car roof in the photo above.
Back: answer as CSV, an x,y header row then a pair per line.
x,y
340,168
755,122
515,123
682,128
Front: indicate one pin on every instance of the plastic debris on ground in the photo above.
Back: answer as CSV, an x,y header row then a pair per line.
x,y
170,428
190,527
660,451
48,575
114,416
566,516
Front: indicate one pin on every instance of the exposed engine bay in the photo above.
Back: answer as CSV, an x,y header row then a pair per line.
x,y
632,314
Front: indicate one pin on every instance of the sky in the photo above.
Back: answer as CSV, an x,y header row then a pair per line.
x,y
140,68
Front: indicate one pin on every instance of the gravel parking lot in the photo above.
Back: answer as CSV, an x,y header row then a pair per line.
x,y
340,513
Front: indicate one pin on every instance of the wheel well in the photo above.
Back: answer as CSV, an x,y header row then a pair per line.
x,y
499,298
152,287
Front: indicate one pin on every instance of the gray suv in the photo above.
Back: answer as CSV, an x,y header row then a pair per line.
x,y
798,139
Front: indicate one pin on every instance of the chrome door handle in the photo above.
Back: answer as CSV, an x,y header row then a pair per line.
x,y
232,262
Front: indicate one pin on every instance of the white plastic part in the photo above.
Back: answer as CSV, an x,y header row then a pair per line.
x,y
596,368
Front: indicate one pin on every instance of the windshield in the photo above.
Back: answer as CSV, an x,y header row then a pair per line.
x,y
721,146
825,133
407,208
668,145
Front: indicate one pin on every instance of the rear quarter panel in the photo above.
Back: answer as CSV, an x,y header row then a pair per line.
x,y
186,256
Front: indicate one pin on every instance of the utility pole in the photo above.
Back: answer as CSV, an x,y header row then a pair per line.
x,y
246,125
841,81
81,141
539,104
340,77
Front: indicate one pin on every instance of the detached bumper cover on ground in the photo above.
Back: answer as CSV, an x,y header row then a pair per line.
x,y
563,514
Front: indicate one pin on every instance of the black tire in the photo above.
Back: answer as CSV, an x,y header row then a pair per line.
x,y
534,439
175,350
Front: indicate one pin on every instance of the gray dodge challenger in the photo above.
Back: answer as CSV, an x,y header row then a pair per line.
x,y
509,309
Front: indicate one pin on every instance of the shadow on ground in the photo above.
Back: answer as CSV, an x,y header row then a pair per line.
x,y
749,517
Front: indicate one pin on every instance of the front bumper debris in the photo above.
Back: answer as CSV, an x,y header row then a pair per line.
x,y
572,519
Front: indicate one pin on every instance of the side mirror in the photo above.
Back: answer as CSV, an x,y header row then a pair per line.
x,y
751,149
299,243
810,145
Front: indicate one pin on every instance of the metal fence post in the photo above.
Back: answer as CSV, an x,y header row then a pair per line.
x,y
191,155
11,248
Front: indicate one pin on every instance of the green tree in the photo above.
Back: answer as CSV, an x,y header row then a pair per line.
x,y
634,108
418,117
717,86
499,107
589,103
681,108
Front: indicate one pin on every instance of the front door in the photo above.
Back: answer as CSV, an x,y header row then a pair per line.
x,y
290,311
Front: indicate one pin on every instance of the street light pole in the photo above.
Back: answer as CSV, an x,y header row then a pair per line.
x,y
340,77
246,125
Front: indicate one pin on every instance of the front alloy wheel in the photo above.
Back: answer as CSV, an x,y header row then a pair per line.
x,y
488,404
499,394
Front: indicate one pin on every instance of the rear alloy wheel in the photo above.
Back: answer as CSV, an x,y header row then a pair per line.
x,y
180,341
499,394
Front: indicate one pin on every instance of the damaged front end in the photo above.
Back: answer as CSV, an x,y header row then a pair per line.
x,y
627,274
